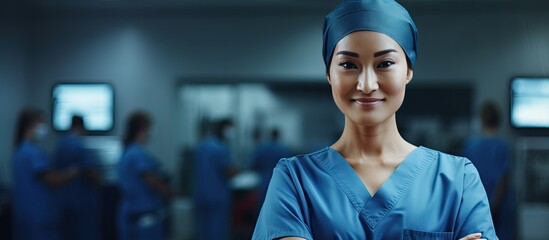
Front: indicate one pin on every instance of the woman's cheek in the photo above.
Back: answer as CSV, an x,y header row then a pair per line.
x,y
395,85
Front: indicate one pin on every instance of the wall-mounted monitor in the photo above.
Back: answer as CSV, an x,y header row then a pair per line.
x,y
529,102
93,101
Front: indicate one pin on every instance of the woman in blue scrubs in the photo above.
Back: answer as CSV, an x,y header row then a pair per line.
x,y
36,214
212,194
372,183
144,187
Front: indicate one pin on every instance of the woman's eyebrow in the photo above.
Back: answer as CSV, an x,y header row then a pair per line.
x,y
380,53
348,53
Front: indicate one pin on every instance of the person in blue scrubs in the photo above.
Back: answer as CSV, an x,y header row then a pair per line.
x,y
144,187
264,160
371,183
212,194
36,215
490,154
78,199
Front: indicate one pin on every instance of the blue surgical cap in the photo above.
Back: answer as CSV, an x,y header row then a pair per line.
x,y
383,16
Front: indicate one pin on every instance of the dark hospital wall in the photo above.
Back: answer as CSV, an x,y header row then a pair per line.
x,y
145,55
13,80
483,48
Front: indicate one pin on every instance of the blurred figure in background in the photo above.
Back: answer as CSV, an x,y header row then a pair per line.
x,y
490,155
212,194
144,187
264,161
78,199
36,215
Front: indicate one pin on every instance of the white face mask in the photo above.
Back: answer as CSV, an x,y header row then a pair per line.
x,y
40,132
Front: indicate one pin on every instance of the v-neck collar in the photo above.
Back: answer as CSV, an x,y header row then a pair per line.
x,y
373,208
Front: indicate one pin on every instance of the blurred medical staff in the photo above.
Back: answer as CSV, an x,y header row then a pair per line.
x,y
144,187
490,155
212,194
35,213
264,161
78,199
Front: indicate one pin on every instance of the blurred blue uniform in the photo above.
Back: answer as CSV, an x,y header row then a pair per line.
x,y
35,213
264,160
78,199
141,214
491,157
431,195
212,193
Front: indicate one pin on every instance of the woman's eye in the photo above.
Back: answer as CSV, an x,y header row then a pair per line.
x,y
385,64
348,65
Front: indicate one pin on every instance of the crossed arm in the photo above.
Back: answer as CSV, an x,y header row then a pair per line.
x,y
473,236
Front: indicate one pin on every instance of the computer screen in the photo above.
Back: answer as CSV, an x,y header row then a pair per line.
x,y
93,101
529,102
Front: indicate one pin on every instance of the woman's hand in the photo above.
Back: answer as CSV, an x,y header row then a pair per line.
x,y
473,236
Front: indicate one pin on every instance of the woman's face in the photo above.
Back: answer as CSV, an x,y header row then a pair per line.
x,y
144,135
368,74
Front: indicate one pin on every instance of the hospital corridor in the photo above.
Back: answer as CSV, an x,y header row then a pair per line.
x,y
168,119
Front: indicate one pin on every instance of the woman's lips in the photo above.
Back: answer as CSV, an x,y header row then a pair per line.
x,y
367,102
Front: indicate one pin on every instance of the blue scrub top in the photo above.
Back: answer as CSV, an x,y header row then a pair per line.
x,y
79,192
212,158
34,201
431,195
137,195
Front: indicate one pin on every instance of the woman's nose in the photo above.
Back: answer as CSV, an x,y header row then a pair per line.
x,y
367,82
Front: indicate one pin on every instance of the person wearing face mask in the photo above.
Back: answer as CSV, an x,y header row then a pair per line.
x,y
78,199
212,195
36,215
372,183
144,186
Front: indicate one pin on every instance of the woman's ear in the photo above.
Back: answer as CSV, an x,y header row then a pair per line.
x,y
409,75
328,77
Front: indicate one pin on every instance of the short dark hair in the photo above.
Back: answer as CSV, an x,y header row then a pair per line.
x,y
136,122
220,126
27,118
490,115
77,121
275,134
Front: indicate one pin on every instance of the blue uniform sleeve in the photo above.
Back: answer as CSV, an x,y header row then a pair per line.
x,y
222,158
282,213
474,213
225,157
144,163
39,162
88,160
505,162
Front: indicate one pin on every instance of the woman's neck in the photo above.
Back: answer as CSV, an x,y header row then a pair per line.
x,y
358,143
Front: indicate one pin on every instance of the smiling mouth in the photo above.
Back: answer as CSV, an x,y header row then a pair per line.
x,y
367,102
